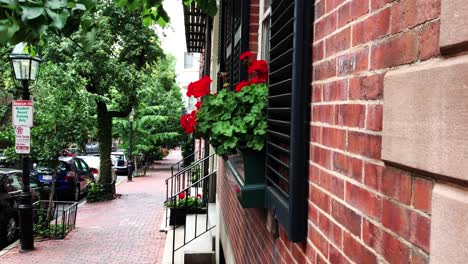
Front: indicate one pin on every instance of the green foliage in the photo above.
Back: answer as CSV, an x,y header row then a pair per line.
x,y
196,173
97,193
233,119
44,228
63,112
157,112
187,202
188,147
29,20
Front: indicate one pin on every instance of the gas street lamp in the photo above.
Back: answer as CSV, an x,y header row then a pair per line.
x,y
131,117
25,69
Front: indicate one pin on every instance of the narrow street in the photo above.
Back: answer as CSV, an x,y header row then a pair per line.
x,y
125,230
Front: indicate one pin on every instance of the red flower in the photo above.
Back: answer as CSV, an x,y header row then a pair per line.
x,y
237,189
246,55
181,195
199,88
241,85
199,196
260,69
198,105
188,122
256,80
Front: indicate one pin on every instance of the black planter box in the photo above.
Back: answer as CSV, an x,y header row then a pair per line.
x,y
177,216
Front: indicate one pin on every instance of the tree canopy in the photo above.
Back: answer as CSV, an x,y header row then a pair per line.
x,y
157,111
29,21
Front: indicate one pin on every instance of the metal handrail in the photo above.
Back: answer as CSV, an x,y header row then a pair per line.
x,y
203,182
184,159
190,167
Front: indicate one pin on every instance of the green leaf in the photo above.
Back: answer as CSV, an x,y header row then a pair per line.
x,y
59,19
7,29
79,7
8,4
55,4
29,12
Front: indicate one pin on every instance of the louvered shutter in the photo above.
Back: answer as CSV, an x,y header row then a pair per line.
x,y
236,39
288,115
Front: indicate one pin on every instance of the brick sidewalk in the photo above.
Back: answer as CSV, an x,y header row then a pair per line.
x,y
125,230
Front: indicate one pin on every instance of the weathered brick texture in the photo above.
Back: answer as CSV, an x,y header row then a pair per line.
x,y
359,210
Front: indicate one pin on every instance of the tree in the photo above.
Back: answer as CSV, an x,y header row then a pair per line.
x,y
113,69
157,112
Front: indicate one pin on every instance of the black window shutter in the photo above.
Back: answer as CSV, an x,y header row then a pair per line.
x,y
236,39
288,115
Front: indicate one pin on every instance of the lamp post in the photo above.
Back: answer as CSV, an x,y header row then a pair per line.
x,y
25,69
130,161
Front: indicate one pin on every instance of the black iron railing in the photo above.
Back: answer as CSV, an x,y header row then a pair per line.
x,y
188,176
193,201
198,154
54,220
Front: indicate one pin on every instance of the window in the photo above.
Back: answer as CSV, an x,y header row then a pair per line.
x,y
188,60
235,26
264,47
288,114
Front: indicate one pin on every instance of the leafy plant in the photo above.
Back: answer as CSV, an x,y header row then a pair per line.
x,y
196,173
184,202
98,193
232,119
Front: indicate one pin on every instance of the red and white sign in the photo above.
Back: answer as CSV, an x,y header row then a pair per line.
x,y
23,111
23,140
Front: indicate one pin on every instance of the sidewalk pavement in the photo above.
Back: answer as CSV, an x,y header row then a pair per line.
x,y
125,230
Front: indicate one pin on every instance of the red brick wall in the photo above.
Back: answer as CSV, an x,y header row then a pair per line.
x,y
250,240
359,209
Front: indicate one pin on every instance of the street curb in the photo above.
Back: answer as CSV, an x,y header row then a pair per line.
x,y
8,248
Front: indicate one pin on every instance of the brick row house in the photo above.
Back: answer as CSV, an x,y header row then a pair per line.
x,y
366,151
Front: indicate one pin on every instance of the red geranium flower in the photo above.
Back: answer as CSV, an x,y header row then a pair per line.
x,y
199,88
246,55
199,196
241,85
260,69
198,105
181,195
188,122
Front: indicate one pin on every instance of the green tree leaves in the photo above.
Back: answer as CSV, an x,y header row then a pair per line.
x,y
29,20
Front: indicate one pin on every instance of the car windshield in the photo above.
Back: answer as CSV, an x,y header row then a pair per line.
x,y
47,167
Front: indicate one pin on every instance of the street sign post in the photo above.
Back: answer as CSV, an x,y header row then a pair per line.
x,y
22,140
23,111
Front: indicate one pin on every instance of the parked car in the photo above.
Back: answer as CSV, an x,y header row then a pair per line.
x,y
73,177
11,185
120,163
94,163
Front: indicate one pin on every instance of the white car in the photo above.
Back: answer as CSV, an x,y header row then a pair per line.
x,y
94,164
120,163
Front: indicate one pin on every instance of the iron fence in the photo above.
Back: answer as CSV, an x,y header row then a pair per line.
x,y
54,221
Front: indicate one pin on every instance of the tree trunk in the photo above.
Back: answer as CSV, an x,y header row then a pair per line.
x,y
104,124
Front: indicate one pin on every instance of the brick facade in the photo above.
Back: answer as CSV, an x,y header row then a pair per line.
x,y
360,210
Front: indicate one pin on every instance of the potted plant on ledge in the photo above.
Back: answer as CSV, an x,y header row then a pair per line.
x,y
235,122
183,205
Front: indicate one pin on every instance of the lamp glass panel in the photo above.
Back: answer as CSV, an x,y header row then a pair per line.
x,y
34,69
21,68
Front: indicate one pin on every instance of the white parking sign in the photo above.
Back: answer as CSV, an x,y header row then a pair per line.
x,y
23,113
22,140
